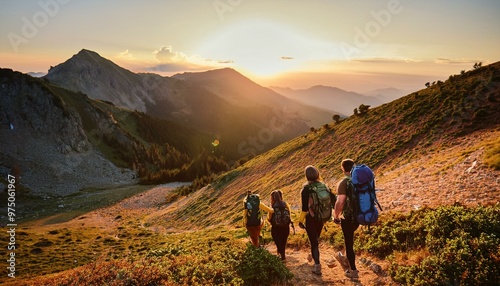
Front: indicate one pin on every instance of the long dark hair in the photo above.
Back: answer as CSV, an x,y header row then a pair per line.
x,y
276,196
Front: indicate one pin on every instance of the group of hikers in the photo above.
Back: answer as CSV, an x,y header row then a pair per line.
x,y
318,205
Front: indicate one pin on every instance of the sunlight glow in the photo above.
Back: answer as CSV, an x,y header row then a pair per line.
x,y
264,48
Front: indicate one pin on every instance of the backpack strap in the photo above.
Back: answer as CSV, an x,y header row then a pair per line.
x,y
374,191
374,197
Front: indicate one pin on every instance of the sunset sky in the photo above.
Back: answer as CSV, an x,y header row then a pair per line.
x,y
355,45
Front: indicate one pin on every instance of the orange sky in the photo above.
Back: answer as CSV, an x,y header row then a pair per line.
x,y
355,45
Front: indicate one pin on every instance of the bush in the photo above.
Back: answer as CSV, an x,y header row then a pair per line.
x,y
463,244
259,267
398,233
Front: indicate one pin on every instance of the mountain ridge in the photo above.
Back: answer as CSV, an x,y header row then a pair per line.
x,y
334,99
241,91
386,94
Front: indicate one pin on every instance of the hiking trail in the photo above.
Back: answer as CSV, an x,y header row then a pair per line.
x,y
297,262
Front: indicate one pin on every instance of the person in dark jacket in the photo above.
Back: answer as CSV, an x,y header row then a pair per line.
x,y
312,225
348,222
279,233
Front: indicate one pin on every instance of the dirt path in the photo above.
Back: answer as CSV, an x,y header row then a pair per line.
x,y
297,262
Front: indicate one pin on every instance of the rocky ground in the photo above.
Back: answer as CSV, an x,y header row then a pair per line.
x,y
371,271
443,178
47,171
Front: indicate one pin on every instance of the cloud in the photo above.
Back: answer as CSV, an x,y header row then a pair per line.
x,y
166,55
126,55
174,61
386,60
455,61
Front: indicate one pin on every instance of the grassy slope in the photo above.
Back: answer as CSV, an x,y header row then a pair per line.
x,y
423,124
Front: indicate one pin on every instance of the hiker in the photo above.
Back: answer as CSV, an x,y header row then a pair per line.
x,y
280,222
348,221
252,217
312,218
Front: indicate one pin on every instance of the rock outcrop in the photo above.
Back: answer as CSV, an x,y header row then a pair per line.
x,y
43,137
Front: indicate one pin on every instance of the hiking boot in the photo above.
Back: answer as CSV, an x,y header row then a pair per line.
x,y
351,273
317,269
310,257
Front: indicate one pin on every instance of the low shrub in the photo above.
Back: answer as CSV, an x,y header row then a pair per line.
x,y
463,245
259,267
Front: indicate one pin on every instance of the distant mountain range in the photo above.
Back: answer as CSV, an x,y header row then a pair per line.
x,y
339,101
386,94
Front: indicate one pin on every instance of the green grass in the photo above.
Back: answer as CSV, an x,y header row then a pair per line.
x,y
62,209
492,154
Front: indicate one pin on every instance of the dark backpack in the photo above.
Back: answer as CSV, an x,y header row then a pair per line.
x,y
281,215
320,201
252,204
361,196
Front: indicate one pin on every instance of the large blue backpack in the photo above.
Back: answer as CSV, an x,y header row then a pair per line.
x,y
363,186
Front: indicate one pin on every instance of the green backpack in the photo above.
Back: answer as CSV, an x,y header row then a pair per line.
x,y
252,204
320,202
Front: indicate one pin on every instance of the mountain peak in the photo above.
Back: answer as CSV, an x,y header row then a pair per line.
x,y
100,78
83,56
87,53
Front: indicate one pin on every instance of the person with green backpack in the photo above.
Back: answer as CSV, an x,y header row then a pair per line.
x,y
252,216
348,222
316,203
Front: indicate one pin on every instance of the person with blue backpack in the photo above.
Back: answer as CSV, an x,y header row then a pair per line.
x,y
347,221
357,201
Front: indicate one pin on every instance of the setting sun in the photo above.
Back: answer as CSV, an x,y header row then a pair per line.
x,y
263,48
